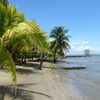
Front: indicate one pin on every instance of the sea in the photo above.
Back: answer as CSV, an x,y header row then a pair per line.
x,y
84,81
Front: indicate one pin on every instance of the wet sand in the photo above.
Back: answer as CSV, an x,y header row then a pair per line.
x,y
36,84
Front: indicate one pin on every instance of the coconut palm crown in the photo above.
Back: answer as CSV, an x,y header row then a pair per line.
x,y
60,41
4,2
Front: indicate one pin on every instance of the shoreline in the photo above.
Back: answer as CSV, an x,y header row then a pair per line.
x,y
33,84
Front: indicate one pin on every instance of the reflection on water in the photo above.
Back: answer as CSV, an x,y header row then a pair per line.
x,y
87,81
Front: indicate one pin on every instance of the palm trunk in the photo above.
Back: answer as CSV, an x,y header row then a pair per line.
x,y
15,92
32,58
1,66
14,56
24,60
42,56
54,58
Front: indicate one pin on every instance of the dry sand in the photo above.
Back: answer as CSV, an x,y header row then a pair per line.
x,y
35,84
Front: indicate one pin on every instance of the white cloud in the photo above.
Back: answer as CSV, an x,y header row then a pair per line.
x,y
96,49
82,48
80,45
80,42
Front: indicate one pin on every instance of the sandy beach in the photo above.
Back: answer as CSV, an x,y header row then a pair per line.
x,y
35,84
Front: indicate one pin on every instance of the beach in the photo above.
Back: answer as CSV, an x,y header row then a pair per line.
x,y
48,50
34,84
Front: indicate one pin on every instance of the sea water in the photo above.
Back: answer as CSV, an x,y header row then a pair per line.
x,y
85,81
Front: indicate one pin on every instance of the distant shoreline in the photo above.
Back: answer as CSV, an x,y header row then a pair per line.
x,y
81,55
77,56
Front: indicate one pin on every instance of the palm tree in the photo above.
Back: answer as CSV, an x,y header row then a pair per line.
x,y
24,36
2,19
4,2
9,18
15,33
60,41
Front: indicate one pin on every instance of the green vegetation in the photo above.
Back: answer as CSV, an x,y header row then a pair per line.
x,y
18,34
19,37
67,68
9,18
60,44
55,67
4,2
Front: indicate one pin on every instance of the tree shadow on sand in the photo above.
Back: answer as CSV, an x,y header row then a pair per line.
x,y
30,64
24,71
8,91
21,94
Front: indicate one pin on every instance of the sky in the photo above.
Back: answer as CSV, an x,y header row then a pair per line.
x,y
80,17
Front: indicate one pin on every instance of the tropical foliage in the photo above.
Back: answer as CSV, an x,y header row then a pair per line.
x,y
60,43
16,33
8,19
4,2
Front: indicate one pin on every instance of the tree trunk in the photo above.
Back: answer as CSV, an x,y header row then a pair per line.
x,y
24,60
32,58
15,92
24,56
41,58
1,66
14,56
54,58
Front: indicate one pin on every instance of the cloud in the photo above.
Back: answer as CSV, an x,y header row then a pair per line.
x,y
80,45
80,42
82,48
96,49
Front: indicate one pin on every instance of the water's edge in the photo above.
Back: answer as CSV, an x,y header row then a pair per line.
x,y
83,82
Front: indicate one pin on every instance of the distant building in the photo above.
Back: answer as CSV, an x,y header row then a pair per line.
x,y
87,52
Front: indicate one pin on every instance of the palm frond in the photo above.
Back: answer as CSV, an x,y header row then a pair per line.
x,y
13,17
2,19
26,34
7,62
60,39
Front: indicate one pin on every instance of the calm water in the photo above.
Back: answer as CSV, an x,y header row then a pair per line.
x,y
86,81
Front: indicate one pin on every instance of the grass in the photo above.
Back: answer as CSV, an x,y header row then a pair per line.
x,y
55,67
67,68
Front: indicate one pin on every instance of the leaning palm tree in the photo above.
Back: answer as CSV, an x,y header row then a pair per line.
x,y
23,36
15,33
60,41
9,18
7,62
